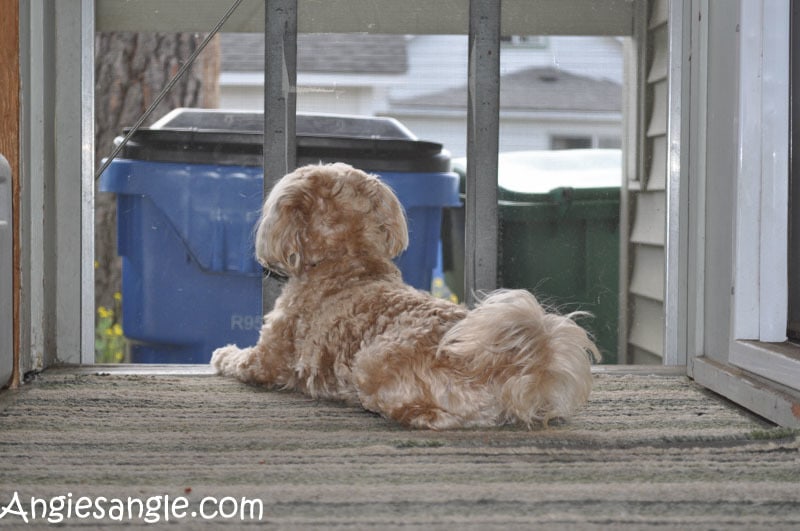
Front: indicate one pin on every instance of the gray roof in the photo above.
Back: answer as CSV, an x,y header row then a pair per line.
x,y
534,89
344,53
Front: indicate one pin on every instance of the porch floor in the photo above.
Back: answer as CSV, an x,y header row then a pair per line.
x,y
649,451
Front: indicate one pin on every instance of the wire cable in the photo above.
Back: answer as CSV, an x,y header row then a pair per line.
x,y
161,95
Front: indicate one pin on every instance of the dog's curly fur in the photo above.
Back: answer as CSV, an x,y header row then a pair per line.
x,y
346,327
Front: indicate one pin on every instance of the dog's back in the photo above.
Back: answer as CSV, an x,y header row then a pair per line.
x,y
346,326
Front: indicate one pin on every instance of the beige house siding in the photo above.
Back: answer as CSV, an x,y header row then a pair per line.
x,y
647,198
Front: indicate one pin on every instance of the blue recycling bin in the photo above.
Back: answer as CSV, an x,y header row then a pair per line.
x,y
189,192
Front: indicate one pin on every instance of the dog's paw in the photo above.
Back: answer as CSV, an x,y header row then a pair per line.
x,y
224,359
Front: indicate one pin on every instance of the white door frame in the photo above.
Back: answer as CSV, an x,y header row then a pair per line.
x,y
735,251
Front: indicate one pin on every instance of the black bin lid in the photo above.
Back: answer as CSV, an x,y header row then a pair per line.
x,y
221,137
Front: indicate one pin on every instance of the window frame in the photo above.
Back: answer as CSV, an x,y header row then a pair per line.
x,y
722,259
57,272
56,324
57,297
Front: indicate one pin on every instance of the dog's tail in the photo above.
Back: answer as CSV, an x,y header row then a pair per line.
x,y
536,365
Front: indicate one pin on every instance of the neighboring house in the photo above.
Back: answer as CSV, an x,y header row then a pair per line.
x,y
342,73
558,92
541,108
440,61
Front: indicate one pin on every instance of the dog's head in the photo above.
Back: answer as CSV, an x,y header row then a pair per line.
x,y
328,212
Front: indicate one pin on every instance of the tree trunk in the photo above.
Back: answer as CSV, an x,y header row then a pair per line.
x,y
130,71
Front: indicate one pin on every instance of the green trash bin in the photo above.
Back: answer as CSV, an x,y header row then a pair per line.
x,y
558,222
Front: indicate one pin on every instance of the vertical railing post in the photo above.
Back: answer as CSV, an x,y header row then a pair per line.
x,y
280,82
483,121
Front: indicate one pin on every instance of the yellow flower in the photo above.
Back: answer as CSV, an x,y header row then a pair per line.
x,y
104,312
117,296
116,329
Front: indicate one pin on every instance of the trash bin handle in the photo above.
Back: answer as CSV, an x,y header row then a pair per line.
x,y
563,196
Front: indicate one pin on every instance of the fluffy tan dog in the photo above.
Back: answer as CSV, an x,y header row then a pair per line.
x,y
346,327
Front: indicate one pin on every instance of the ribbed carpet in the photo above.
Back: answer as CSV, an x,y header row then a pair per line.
x,y
649,452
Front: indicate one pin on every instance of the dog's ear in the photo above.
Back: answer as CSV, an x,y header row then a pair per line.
x,y
284,219
390,217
